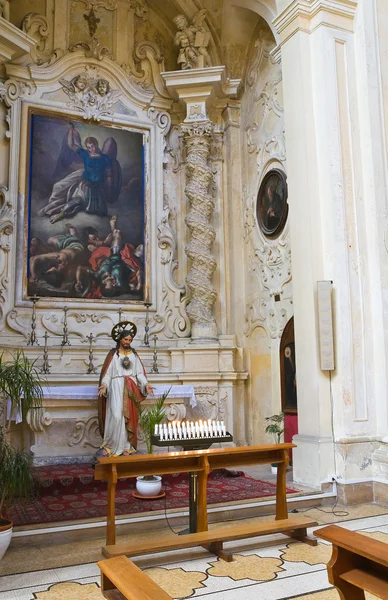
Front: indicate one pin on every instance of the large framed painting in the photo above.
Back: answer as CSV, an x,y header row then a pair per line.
x,y
272,206
86,207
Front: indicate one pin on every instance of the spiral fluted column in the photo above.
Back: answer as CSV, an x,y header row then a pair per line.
x,y
197,137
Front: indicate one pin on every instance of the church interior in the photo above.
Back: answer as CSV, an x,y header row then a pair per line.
x,y
193,311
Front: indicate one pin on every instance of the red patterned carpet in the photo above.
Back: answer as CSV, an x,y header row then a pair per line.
x,y
69,492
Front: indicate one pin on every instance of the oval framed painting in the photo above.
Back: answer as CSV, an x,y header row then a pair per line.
x,y
272,206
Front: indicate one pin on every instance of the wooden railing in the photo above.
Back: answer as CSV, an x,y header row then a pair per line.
x,y
358,563
201,462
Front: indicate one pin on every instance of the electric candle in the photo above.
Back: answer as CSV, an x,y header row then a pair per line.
x,y
156,429
192,429
223,428
161,435
184,430
206,429
218,425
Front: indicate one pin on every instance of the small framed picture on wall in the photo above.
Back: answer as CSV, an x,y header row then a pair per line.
x,y
272,206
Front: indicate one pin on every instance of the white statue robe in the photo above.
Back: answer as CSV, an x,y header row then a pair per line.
x,y
115,433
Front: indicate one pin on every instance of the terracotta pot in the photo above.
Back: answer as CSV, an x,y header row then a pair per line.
x,y
146,487
5,535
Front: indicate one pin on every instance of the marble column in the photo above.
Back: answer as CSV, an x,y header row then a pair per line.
x,y
333,234
195,88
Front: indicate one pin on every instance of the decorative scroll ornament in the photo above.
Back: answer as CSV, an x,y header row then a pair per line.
x,y
91,94
7,222
172,317
13,89
192,41
92,49
36,26
199,178
86,433
207,402
248,213
271,266
38,419
162,119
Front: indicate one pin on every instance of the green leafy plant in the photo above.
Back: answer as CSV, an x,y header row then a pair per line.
x,y
21,384
16,480
275,426
149,416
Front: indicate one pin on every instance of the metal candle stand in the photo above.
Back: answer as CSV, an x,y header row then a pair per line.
x,y
32,339
65,335
146,339
46,366
187,445
154,368
91,367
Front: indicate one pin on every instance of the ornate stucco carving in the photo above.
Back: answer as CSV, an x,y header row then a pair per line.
x,y
192,41
13,89
172,315
86,433
207,402
96,4
162,119
7,222
199,178
38,419
175,148
141,9
92,49
36,26
91,94
269,260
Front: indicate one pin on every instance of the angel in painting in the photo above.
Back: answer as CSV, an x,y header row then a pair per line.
x,y
90,188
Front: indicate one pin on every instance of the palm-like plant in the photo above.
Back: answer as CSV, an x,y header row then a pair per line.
x,y
149,417
275,426
21,384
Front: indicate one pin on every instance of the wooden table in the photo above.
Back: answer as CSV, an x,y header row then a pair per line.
x,y
111,469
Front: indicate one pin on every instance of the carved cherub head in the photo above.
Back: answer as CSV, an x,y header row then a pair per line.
x,y
80,83
103,87
181,22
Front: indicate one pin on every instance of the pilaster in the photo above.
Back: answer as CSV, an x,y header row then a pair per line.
x,y
329,238
195,88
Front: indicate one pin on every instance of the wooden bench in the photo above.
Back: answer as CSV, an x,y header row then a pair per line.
x,y
201,462
358,563
211,540
122,580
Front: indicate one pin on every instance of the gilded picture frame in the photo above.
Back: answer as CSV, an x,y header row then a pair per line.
x,y
86,210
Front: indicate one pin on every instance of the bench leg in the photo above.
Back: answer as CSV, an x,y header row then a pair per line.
x,y
301,536
217,549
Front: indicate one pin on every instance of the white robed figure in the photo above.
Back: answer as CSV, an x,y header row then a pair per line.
x,y
122,377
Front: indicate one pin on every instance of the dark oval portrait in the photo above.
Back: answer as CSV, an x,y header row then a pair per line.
x,y
272,207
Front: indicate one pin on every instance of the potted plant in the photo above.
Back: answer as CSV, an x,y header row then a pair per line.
x,y
150,485
275,426
21,388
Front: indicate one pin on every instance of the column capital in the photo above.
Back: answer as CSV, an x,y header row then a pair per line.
x,y
196,88
308,15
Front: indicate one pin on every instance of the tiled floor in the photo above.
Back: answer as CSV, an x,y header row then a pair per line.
x,y
270,568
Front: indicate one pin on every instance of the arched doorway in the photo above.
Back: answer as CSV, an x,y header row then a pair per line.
x,y
288,381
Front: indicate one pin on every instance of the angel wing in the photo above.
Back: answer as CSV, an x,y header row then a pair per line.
x,y
113,176
199,18
68,87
